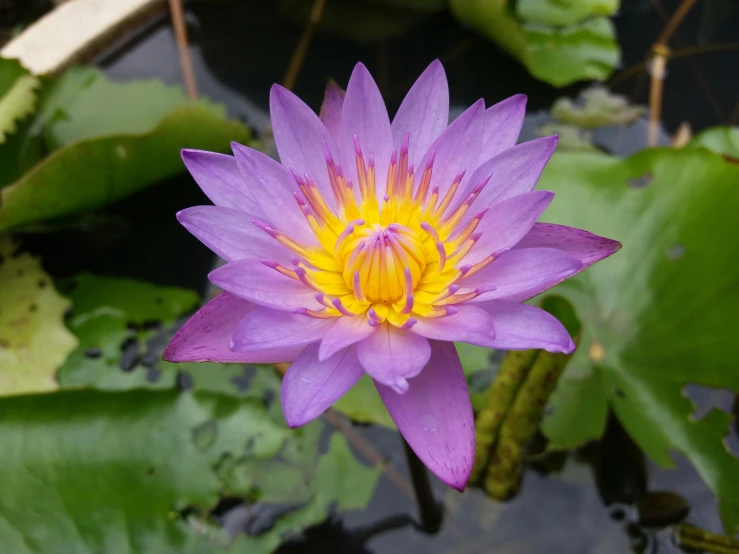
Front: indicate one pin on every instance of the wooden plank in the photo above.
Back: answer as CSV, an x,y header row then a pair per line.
x,y
75,30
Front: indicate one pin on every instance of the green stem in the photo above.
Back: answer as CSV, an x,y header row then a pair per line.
x,y
696,538
520,424
500,397
428,508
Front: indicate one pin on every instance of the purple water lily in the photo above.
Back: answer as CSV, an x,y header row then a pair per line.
x,y
373,245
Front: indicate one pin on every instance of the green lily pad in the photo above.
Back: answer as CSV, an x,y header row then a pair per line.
x,y
127,472
474,358
363,403
659,314
115,320
33,338
105,141
123,327
584,50
137,301
561,13
723,140
17,95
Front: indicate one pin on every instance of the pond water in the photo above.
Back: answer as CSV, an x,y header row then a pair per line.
x,y
239,49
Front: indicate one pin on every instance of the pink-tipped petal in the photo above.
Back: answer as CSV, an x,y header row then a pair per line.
x,y
311,386
435,416
333,101
503,122
391,356
272,187
267,328
231,234
507,222
299,136
586,247
522,327
206,336
522,274
254,281
457,148
424,112
515,171
219,177
364,115
346,331
470,324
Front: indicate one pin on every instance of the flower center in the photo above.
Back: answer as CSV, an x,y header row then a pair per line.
x,y
394,256
381,263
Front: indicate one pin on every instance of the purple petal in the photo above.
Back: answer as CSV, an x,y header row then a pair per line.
x,y
272,187
503,123
206,335
435,416
470,324
515,171
231,234
507,222
311,386
424,112
364,115
333,100
254,281
299,136
522,274
521,327
457,148
586,247
219,177
267,328
345,332
392,355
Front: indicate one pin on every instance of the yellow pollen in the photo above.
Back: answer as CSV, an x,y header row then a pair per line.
x,y
388,251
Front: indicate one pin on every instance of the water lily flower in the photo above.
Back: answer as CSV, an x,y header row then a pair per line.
x,y
373,245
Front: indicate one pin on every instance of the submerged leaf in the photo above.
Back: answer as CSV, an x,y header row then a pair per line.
x,y
363,21
33,339
596,107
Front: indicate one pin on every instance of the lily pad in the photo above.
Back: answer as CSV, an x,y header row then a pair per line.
x,y
363,404
723,140
107,141
659,314
563,12
560,55
33,338
17,95
126,472
116,320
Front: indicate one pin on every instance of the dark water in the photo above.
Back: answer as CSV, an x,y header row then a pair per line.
x,y
239,49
